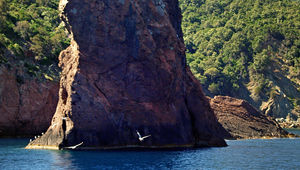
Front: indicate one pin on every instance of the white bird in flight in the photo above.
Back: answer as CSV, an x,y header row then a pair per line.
x,y
73,147
140,137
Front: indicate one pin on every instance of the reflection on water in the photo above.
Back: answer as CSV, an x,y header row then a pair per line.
x,y
243,154
62,159
115,159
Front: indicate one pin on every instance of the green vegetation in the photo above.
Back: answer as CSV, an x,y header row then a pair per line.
x,y
31,33
233,44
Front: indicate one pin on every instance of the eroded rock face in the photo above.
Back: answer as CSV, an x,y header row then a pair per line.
x,y
125,71
26,106
243,121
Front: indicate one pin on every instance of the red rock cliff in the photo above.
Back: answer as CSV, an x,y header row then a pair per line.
x,y
27,106
125,71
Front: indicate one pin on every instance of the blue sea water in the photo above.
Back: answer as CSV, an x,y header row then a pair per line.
x,y
241,154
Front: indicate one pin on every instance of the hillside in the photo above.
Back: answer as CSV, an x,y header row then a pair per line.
x,y
31,37
246,49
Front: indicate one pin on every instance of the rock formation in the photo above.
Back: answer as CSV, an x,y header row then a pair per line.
x,y
125,71
26,105
243,121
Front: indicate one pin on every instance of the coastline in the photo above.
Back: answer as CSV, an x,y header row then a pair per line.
x,y
260,154
163,147
290,135
127,147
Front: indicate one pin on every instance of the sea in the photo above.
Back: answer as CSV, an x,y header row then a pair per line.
x,y
240,154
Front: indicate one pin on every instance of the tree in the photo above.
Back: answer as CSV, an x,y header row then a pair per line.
x,y
23,28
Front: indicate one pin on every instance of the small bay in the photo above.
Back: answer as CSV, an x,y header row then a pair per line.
x,y
240,154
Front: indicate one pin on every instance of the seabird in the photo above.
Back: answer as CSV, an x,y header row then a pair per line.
x,y
42,133
30,140
73,147
34,137
140,137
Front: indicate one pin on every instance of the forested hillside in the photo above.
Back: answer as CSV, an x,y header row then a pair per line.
x,y
31,36
246,49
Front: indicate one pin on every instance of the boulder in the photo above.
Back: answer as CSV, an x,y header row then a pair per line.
x,y
125,72
243,121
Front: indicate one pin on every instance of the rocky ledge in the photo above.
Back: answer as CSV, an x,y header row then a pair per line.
x,y
243,121
125,77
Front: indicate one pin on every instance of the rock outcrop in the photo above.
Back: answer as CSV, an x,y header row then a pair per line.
x,y
243,121
26,105
125,71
